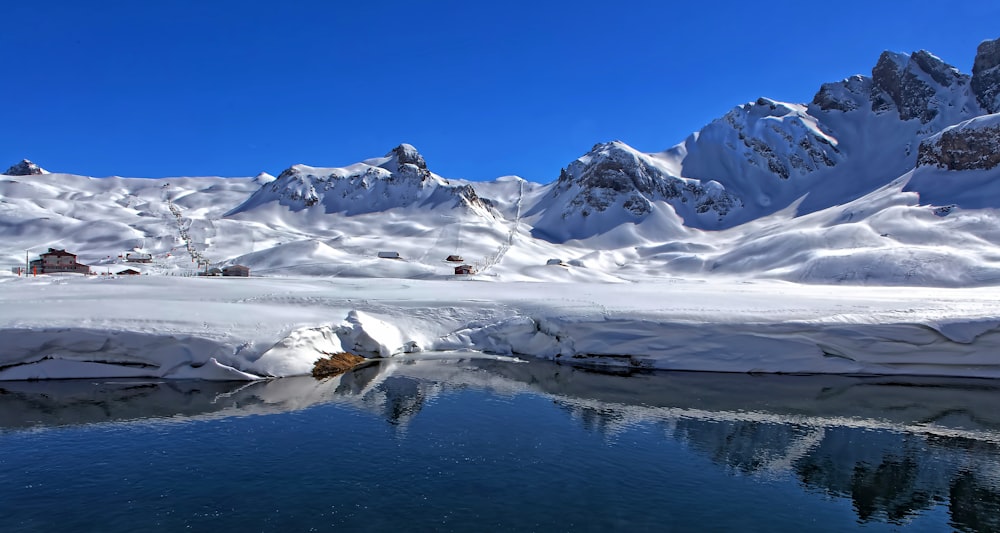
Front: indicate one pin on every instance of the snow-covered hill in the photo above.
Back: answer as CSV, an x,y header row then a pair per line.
x,y
883,179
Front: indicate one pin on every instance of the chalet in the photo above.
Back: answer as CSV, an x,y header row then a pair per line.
x,y
57,261
389,255
239,271
138,257
464,269
128,272
455,258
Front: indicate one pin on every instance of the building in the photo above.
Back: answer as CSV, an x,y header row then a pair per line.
x,y
239,271
455,258
129,272
55,261
464,269
138,257
389,255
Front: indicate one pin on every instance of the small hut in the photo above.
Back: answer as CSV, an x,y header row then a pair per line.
x,y
128,272
455,258
138,257
464,270
239,271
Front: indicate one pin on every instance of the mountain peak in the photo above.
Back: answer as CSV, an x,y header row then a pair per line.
x,y
910,83
986,75
407,154
25,168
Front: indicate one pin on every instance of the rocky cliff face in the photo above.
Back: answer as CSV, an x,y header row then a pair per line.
x,y
909,84
918,86
781,138
971,145
986,75
614,174
25,168
847,95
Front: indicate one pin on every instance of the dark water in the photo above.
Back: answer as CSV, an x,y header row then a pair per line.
x,y
485,445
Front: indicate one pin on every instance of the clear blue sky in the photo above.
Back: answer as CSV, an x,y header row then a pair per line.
x,y
482,89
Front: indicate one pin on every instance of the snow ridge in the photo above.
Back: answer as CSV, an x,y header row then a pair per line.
x,y
400,179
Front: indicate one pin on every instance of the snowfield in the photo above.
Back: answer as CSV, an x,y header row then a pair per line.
x,y
246,329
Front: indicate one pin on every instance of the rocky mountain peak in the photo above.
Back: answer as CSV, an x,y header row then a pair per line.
x,y
941,72
25,168
406,154
986,75
615,174
846,95
909,83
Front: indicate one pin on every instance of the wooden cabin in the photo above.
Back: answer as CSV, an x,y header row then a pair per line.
x,y
464,270
455,258
128,272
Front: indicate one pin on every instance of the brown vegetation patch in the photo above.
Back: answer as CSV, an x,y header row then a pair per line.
x,y
335,364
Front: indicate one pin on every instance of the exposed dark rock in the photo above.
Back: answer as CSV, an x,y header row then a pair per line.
x,y
792,147
962,149
24,168
897,84
611,173
406,163
939,71
986,75
406,154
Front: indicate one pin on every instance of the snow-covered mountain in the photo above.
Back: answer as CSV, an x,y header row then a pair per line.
x,y
884,178
614,185
400,179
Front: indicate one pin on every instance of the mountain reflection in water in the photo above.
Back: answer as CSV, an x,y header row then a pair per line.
x,y
893,446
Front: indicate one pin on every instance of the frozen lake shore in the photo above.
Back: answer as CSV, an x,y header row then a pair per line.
x,y
246,329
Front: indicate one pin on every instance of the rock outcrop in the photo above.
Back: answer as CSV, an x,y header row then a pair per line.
x,y
986,76
910,83
615,174
25,168
971,145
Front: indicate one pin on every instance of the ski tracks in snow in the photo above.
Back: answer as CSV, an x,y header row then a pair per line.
x,y
492,260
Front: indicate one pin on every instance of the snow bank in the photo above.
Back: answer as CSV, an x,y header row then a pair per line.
x,y
180,328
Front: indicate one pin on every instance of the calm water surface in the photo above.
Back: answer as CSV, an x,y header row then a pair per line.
x,y
479,445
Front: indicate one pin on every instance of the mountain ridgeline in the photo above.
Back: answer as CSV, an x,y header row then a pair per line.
x,y
855,136
873,180
399,179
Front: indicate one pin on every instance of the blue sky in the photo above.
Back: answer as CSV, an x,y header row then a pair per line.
x,y
482,89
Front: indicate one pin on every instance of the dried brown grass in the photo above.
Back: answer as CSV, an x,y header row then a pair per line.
x,y
335,364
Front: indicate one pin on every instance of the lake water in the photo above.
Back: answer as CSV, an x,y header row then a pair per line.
x,y
482,445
